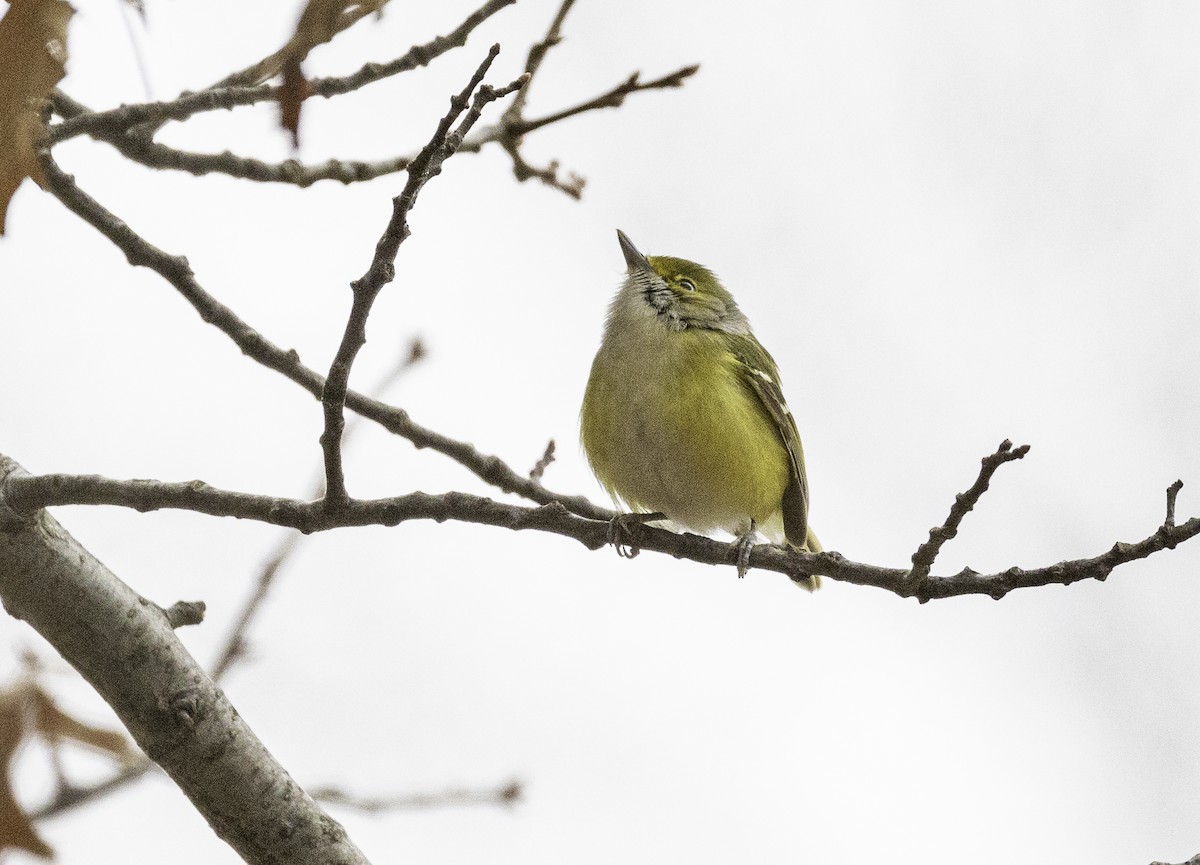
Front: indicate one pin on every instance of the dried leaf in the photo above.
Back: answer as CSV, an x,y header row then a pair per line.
x,y
33,43
291,96
26,710
320,21
55,725
16,830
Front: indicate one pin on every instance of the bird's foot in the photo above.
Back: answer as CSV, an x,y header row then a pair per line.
x,y
740,550
619,531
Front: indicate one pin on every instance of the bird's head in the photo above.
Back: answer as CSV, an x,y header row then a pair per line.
x,y
683,294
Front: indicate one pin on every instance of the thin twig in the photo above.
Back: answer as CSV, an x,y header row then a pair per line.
x,y
272,65
234,648
426,166
290,171
119,120
614,98
539,468
69,796
509,132
533,60
1172,494
927,553
508,794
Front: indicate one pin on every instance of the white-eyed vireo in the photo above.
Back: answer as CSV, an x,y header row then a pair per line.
x,y
684,414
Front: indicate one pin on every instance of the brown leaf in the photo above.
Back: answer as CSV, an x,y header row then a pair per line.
x,y
33,43
291,96
55,725
320,21
26,711
16,830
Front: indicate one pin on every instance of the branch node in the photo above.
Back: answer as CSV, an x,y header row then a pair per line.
x,y
539,468
1172,494
183,613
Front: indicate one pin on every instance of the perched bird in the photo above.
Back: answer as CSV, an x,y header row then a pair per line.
x,y
684,414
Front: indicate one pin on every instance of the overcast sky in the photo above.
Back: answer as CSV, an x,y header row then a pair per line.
x,y
950,223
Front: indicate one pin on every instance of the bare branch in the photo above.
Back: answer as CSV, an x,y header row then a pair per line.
x,y
273,64
235,643
69,796
508,794
1195,860
176,271
533,61
539,468
23,495
925,555
513,126
117,121
290,171
1172,494
125,648
426,166
496,472
614,98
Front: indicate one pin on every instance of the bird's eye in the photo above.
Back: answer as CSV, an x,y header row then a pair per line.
x,y
688,284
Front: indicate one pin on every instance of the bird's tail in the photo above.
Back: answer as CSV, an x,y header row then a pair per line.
x,y
812,545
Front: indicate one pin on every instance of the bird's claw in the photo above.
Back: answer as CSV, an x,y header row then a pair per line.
x,y
619,532
740,549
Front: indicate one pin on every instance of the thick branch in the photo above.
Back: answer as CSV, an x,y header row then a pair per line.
x,y
125,647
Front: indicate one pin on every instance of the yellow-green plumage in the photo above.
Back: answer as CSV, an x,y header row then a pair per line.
x,y
683,412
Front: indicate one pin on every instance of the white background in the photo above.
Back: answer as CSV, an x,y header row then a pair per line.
x,y
951,223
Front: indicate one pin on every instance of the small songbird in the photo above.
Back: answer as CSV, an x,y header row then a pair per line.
x,y
684,414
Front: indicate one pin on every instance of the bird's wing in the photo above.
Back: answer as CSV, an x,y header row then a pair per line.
x,y
761,375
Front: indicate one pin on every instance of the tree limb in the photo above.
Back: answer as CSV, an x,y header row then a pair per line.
x,y
125,647
25,494
178,273
117,121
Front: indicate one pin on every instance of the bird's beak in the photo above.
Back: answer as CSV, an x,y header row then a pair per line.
x,y
633,259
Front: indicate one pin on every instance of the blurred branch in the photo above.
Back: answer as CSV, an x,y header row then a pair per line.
x,y
68,795
1195,860
25,494
508,795
115,122
539,468
235,643
129,128
273,64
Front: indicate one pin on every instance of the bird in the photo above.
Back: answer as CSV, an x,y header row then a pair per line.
x,y
684,414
